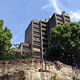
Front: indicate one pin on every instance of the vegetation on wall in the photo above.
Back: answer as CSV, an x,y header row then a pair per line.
x,y
14,56
65,43
53,77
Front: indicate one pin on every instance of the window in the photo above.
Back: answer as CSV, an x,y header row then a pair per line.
x,y
36,25
36,33
44,23
25,48
67,17
36,38
37,29
36,46
67,21
59,18
36,43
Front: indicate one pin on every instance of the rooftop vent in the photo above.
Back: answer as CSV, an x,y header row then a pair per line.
x,y
63,12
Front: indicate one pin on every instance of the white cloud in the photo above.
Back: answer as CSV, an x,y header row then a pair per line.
x,y
46,6
75,16
58,7
54,4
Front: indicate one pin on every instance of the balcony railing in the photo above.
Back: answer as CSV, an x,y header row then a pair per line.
x,y
36,33
44,29
36,30
36,43
59,18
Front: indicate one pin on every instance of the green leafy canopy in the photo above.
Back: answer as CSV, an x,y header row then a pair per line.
x,y
5,37
67,37
65,41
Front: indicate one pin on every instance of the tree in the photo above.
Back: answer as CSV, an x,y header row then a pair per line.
x,y
16,45
5,37
65,41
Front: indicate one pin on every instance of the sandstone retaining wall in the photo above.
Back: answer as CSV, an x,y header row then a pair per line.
x,y
36,69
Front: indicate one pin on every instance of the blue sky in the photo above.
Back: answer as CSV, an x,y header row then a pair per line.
x,y
17,14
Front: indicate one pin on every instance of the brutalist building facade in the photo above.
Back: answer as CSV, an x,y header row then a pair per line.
x,y
37,33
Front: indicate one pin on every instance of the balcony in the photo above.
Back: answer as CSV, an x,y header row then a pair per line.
x,y
36,26
45,43
45,38
44,33
59,22
67,17
59,18
44,29
36,50
35,43
36,40
36,36
44,25
36,30
36,33
45,48
16,50
25,48
67,20
34,46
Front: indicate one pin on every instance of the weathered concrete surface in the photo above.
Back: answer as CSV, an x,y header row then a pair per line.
x,y
32,75
36,69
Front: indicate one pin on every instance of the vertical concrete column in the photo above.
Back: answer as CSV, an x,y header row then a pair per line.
x,y
63,18
48,29
32,38
41,40
55,19
21,49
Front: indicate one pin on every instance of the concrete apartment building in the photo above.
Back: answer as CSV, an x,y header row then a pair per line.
x,y
23,48
37,34
56,19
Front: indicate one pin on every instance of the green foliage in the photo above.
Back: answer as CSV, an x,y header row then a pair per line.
x,y
5,37
65,42
14,56
53,77
5,44
16,45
